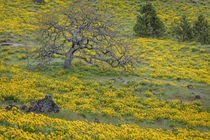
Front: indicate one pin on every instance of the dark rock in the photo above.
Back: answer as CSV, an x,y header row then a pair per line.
x,y
178,79
197,97
190,86
38,1
44,105
33,107
9,107
23,108
96,120
195,1
113,79
138,61
120,78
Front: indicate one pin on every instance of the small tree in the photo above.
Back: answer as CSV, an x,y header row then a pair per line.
x,y
148,24
81,32
201,30
183,29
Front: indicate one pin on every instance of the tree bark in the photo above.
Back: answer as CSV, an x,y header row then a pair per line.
x,y
67,63
69,58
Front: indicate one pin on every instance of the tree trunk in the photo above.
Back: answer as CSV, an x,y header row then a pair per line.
x,y
68,60
67,63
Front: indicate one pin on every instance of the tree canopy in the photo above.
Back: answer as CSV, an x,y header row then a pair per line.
x,y
148,23
81,32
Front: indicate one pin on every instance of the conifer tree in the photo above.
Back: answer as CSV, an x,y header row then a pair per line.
x,y
183,29
148,24
201,30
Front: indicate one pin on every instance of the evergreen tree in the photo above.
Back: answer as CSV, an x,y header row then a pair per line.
x,y
183,29
201,30
148,24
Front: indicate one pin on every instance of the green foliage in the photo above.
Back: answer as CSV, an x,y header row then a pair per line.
x,y
148,24
183,30
201,30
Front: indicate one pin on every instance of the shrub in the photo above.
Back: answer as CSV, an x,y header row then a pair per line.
x,y
183,30
148,24
148,94
201,30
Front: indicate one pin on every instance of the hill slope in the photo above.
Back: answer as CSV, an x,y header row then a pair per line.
x,y
155,101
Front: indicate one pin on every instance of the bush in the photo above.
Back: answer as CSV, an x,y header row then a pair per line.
x,y
201,30
183,30
148,24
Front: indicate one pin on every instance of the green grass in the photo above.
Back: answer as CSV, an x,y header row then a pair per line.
x,y
83,71
17,55
89,72
117,79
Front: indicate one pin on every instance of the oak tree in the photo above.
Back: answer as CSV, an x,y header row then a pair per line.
x,y
81,32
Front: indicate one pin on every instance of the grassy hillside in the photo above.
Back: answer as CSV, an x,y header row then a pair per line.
x,y
155,101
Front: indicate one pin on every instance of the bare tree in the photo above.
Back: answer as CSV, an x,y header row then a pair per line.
x,y
83,33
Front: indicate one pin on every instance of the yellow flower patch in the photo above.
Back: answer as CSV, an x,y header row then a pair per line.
x,y
38,126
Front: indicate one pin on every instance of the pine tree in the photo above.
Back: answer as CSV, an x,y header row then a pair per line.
x,y
201,30
183,29
148,24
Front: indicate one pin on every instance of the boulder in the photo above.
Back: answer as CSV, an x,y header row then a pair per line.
x,y
197,97
44,105
38,1
9,107
23,108
96,120
190,86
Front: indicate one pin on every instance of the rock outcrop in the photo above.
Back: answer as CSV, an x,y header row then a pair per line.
x,y
44,105
40,106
